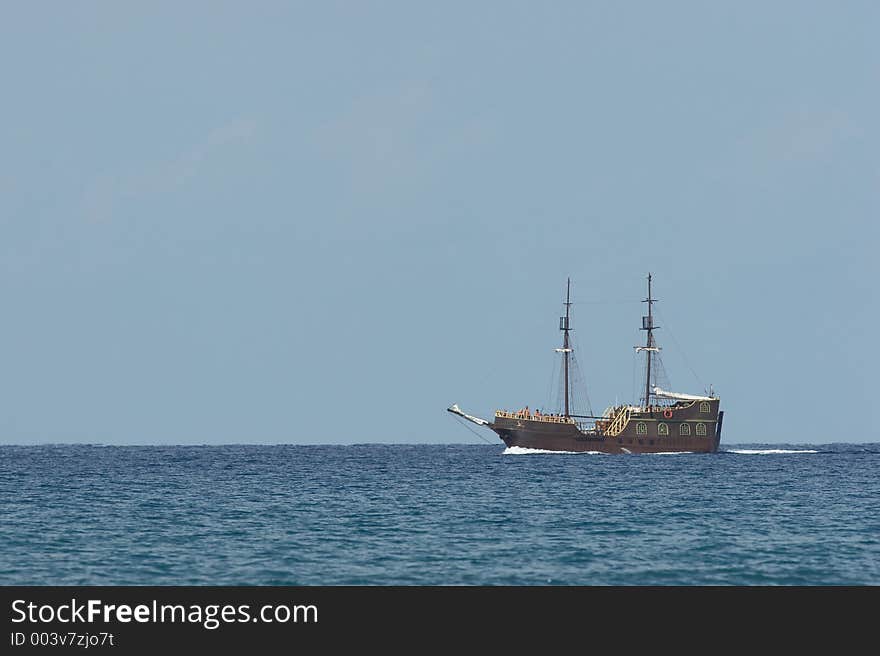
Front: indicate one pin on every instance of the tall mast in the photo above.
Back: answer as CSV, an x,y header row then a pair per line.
x,y
648,325
566,349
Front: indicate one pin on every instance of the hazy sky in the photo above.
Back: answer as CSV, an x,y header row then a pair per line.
x,y
324,222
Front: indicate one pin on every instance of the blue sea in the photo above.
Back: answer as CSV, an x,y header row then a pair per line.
x,y
438,515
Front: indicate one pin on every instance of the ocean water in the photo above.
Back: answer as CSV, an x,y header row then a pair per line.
x,y
438,515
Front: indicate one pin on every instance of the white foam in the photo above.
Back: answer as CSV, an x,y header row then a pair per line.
x,y
524,451
761,452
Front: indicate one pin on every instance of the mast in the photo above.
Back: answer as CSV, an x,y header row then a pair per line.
x,y
566,349
648,325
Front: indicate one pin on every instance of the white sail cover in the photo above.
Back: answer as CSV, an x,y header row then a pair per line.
x,y
680,397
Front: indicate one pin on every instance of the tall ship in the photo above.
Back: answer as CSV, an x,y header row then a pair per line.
x,y
663,421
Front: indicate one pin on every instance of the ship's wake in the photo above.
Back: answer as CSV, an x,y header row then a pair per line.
x,y
762,452
525,451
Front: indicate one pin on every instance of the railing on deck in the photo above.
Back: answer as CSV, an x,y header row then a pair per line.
x,y
533,416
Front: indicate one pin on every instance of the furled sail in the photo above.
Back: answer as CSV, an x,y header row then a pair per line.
x,y
680,397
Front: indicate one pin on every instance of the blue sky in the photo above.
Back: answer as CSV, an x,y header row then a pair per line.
x,y
325,222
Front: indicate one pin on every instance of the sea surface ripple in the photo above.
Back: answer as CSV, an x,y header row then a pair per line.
x,y
752,514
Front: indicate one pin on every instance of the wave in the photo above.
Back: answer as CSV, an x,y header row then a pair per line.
x,y
523,451
761,452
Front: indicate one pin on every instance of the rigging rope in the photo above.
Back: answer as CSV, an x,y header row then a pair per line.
x,y
550,391
462,422
604,302
680,350
635,356
582,380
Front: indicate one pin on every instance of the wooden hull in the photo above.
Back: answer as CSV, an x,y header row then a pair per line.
x,y
645,432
